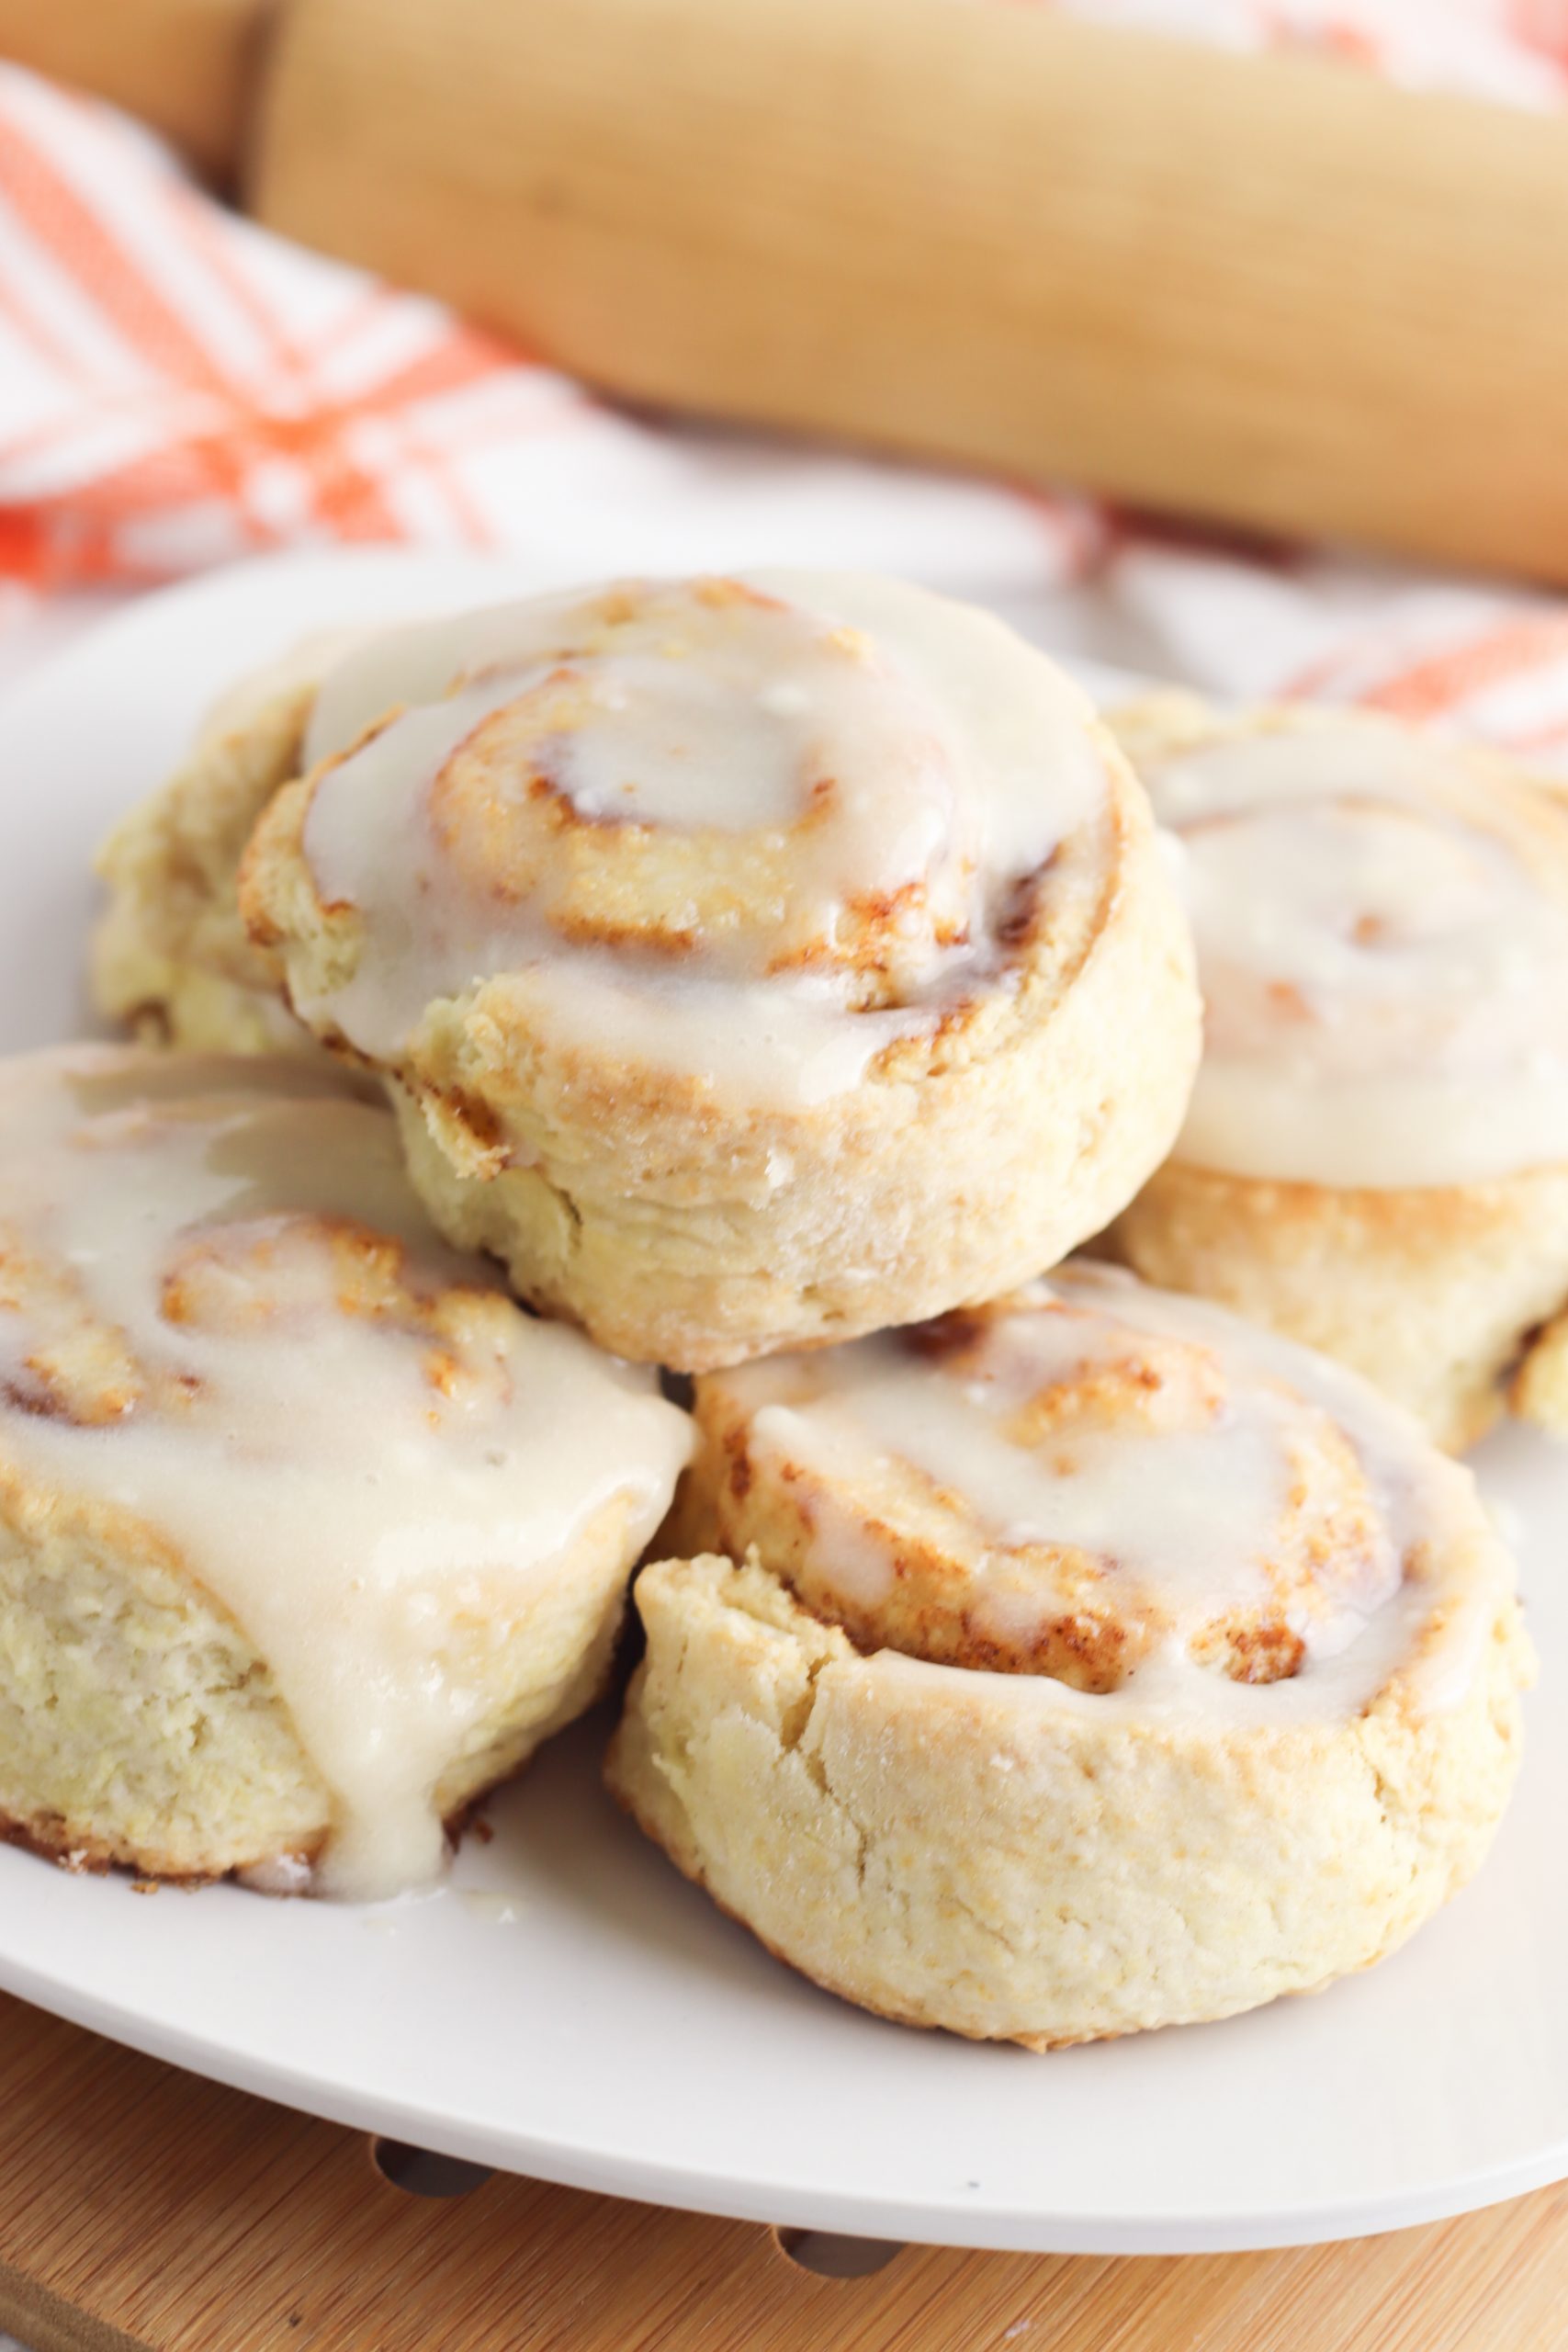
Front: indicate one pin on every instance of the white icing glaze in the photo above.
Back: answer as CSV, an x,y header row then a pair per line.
x,y
1184,1522
875,746
372,1500
1382,945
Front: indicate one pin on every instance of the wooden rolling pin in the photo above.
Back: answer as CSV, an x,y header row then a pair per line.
x,y
1271,291
188,67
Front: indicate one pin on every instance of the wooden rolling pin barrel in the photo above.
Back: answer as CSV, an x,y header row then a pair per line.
x,y
1272,290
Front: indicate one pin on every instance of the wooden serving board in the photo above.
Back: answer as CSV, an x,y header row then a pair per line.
x,y
140,2207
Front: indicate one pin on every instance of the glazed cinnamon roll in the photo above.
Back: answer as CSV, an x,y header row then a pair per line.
x,y
1375,1159
1097,1662
170,958
308,1534
751,963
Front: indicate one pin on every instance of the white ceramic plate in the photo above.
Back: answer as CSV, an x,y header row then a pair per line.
x,y
569,2007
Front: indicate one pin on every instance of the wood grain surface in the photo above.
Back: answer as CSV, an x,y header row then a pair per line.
x,y
144,2207
191,68
1272,290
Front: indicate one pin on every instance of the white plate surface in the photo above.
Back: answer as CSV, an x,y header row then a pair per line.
x,y
569,2007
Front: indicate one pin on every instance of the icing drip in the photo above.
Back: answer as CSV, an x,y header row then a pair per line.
x,y
223,1314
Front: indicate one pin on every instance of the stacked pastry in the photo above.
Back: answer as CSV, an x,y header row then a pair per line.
x,y
1097,1662
1375,1159
309,1535
772,976
748,963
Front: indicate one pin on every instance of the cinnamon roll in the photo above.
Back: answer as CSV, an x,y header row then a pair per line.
x,y
169,957
308,1534
752,963
1375,1159
1097,1662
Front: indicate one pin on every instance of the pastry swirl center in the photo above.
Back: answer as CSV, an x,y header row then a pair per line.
x,y
1383,944
713,774
1101,1485
699,822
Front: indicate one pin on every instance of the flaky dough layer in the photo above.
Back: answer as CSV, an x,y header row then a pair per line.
x,y
962,1851
1449,1298
139,1725
1097,1662
171,958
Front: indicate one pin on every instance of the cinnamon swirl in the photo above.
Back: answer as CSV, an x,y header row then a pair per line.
x,y
1097,1662
308,1535
752,963
1375,1159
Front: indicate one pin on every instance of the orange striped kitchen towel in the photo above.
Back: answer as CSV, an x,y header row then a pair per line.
x,y
179,387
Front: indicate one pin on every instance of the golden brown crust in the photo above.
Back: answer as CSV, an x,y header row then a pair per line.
x,y
1439,1295
53,1839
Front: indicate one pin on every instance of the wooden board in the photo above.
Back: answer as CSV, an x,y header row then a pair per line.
x,y
144,2207
1273,291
